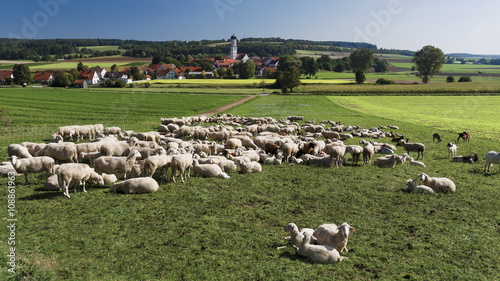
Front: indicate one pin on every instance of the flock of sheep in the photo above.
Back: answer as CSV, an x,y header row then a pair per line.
x,y
215,146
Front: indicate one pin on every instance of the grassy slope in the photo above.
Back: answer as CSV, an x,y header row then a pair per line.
x,y
213,229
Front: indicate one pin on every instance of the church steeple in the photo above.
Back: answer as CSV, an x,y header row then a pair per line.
x,y
234,47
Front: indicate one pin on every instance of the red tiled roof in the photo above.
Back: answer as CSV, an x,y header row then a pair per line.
x,y
79,81
5,73
191,68
42,76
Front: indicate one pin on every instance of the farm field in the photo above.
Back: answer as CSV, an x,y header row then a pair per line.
x,y
215,229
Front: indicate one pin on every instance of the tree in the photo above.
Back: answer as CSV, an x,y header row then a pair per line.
x,y
114,68
309,66
79,67
450,79
286,61
381,65
247,70
360,77
136,73
288,79
361,59
221,71
230,73
60,80
22,74
340,67
326,63
428,61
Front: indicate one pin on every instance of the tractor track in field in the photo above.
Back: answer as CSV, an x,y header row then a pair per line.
x,y
226,107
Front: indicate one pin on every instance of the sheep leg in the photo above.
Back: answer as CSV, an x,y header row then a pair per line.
x,y
83,184
26,178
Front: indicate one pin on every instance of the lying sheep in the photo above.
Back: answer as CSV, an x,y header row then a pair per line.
x,y
51,184
7,170
135,186
272,161
208,170
331,235
386,161
296,237
33,165
452,149
318,253
18,150
491,157
416,163
417,188
76,173
438,184
466,159
248,168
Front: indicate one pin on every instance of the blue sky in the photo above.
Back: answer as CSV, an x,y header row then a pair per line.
x,y
452,25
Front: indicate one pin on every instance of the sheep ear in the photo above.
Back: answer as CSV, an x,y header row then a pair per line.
x,y
352,228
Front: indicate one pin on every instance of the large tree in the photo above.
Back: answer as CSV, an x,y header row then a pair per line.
x,y
428,61
247,70
288,79
361,60
22,74
309,66
286,61
61,80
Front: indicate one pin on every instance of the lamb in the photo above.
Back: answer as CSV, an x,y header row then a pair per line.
x,y
416,163
296,237
492,157
417,188
318,253
368,152
208,170
452,149
248,168
436,136
331,235
33,165
465,136
438,184
355,151
414,147
118,166
76,173
272,161
135,186
18,150
466,159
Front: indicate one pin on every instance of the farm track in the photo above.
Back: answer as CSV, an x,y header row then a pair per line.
x,y
226,107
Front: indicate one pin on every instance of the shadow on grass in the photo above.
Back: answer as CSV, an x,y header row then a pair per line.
x,y
42,196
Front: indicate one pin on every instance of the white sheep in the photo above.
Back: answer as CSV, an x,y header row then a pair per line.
x,y
438,184
76,173
452,149
416,163
62,152
33,147
491,157
318,253
417,188
289,149
386,161
18,150
208,170
355,151
135,186
368,152
296,236
118,166
109,178
33,165
153,163
181,163
272,161
333,235
419,148
7,170
338,153
51,184
248,168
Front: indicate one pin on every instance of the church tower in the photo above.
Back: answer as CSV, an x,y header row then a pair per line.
x,y
234,48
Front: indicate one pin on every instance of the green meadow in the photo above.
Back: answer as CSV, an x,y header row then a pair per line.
x,y
229,229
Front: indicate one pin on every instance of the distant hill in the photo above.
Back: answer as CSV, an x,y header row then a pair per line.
x,y
466,55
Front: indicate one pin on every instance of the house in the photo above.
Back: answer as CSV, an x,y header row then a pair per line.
x,y
119,75
42,77
163,66
242,58
101,72
80,83
90,76
5,74
227,63
272,62
191,68
171,73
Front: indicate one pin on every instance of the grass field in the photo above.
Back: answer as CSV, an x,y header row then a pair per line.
x,y
214,229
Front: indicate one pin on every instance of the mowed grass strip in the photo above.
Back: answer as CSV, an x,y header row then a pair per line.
x,y
215,229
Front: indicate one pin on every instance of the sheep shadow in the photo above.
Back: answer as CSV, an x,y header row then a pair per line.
x,y
42,196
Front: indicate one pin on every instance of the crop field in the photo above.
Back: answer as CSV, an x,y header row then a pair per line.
x,y
229,229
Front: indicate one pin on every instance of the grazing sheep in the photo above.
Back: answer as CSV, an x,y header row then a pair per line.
x,y
414,147
296,236
118,166
33,165
112,131
135,186
76,173
18,150
417,188
436,136
181,163
318,253
416,163
355,151
62,152
368,152
331,235
208,170
438,184
465,136
452,149
492,157
116,148
153,163
248,168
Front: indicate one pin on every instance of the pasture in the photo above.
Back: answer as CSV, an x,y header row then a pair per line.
x,y
215,229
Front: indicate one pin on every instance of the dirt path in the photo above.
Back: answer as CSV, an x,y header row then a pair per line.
x,y
226,107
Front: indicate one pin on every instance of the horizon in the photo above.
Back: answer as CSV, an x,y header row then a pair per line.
x,y
458,26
